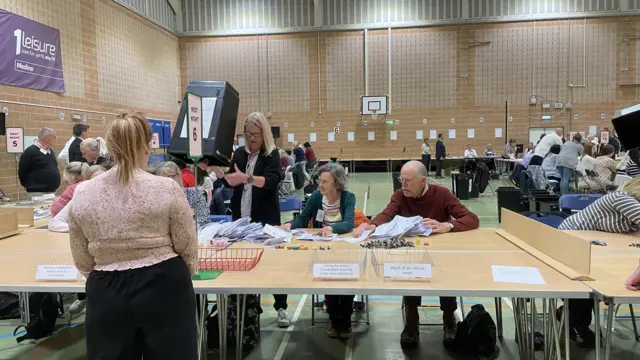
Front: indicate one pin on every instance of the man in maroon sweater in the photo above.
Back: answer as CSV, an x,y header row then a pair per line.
x,y
441,211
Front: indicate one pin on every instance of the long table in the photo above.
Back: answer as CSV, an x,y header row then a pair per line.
x,y
462,267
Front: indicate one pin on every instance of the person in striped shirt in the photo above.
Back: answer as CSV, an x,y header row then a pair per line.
x,y
617,212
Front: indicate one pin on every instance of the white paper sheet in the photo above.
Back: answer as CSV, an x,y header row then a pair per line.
x,y
433,134
498,132
361,238
592,130
310,237
471,133
419,135
452,133
351,136
372,135
393,135
331,136
517,275
290,138
57,272
312,137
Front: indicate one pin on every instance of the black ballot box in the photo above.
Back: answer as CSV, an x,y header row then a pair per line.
x,y
219,116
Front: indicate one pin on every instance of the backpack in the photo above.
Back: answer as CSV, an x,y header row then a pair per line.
x,y
44,309
476,334
298,177
9,306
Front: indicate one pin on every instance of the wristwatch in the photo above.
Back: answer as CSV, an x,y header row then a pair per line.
x,y
250,180
450,226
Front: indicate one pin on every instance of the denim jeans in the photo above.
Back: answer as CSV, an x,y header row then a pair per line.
x,y
565,179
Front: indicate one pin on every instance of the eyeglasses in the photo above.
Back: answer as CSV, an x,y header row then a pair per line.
x,y
253,135
404,181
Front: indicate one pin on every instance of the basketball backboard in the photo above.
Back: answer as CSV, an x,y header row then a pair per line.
x,y
374,105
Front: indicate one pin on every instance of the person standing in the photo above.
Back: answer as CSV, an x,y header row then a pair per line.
x,y
254,175
91,153
567,161
310,156
132,236
81,132
426,154
441,153
298,152
38,169
544,145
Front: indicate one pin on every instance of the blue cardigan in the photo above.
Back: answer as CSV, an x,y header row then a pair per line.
x,y
347,207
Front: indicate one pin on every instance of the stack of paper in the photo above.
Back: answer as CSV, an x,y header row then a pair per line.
x,y
241,229
401,227
361,238
310,237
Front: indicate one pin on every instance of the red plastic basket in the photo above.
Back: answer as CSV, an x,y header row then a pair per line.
x,y
229,259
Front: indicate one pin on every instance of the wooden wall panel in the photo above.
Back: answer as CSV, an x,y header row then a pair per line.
x,y
345,71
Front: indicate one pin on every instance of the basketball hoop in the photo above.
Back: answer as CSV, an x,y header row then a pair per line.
x,y
374,114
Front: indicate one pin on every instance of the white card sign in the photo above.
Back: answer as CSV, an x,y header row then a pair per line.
x,y
194,125
452,133
371,136
592,130
604,137
331,136
290,138
312,137
419,135
407,271
351,136
336,271
393,135
57,273
433,134
498,132
15,140
155,141
471,133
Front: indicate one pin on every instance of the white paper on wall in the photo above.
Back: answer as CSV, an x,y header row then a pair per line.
x,y
331,136
312,137
452,133
498,132
592,130
419,135
351,136
372,135
290,138
433,134
393,135
471,133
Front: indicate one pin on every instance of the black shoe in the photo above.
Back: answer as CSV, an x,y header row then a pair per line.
x,y
572,332
588,337
409,336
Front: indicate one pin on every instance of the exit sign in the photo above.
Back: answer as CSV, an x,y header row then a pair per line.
x,y
390,122
545,117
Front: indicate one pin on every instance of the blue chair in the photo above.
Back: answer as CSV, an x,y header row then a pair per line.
x,y
552,218
575,202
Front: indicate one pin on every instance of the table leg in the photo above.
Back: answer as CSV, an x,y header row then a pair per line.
x,y
498,302
532,348
545,329
556,331
596,308
633,322
202,316
566,329
242,305
609,336
222,325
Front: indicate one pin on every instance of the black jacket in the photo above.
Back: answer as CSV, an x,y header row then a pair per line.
x,y
441,150
265,203
38,172
74,151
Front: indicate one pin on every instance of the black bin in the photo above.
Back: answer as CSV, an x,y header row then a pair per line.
x,y
463,185
508,198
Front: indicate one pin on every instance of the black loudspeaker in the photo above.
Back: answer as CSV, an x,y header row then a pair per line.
x,y
3,124
627,124
219,116
275,131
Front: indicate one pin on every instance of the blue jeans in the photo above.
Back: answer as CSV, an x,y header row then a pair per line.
x,y
565,179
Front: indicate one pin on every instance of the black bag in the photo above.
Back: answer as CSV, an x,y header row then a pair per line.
x,y
251,332
9,306
44,309
476,334
298,176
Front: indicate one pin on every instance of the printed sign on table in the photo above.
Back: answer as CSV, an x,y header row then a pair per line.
x,y
15,140
194,121
31,54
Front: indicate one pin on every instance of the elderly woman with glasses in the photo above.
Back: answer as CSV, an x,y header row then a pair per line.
x,y
331,208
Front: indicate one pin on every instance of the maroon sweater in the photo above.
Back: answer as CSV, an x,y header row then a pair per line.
x,y
438,203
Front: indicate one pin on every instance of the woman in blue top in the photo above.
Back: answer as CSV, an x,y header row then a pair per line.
x,y
331,209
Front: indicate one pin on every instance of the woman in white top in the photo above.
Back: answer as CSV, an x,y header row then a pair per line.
x,y
426,154
585,162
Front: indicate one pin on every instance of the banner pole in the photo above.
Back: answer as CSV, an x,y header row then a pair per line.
x,y
17,178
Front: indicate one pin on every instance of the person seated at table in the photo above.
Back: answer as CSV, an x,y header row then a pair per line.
x,y
488,151
510,148
291,160
585,161
605,168
331,208
628,166
188,179
470,153
90,149
530,148
284,160
72,176
442,212
195,196
131,235
617,212
549,163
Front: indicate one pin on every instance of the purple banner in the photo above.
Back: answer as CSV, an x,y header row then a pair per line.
x,y
31,54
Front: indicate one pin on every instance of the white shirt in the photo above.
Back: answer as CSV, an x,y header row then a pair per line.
x,y
470,154
60,222
545,144
63,156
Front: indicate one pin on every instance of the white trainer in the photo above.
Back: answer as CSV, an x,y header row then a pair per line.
x,y
77,307
283,319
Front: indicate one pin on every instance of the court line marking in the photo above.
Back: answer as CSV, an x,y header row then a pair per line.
x,y
287,335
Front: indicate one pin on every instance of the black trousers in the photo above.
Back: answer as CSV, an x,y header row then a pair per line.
x,y
580,312
340,308
439,164
81,296
148,313
280,302
426,160
447,304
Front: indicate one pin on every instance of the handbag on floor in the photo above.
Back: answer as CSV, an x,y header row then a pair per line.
x,y
476,334
44,309
251,333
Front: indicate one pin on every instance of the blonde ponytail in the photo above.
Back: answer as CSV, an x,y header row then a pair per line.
x,y
128,138
73,171
90,171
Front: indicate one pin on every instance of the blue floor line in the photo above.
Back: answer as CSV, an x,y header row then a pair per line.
x,y
9,335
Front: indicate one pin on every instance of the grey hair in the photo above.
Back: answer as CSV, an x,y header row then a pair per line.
x,y
337,173
418,167
73,171
169,169
44,132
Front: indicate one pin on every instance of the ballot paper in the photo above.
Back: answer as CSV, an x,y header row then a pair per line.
x,y
241,229
401,227
517,275
310,237
296,232
361,238
279,236
41,213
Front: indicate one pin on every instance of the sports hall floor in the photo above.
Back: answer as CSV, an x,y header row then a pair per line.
x,y
378,341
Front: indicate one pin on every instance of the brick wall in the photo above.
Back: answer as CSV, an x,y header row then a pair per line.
x,y
436,75
112,60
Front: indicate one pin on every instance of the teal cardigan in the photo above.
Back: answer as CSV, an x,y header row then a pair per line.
x,y
347,206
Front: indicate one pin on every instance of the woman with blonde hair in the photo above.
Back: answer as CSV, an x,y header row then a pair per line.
x,y
92,152
132,235
254,175
72,176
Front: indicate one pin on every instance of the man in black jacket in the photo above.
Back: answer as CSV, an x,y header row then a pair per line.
x,y
38,167
81,132
441,153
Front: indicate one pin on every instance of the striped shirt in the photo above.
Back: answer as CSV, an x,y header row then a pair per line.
x,y
632,169
617,212
332,213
